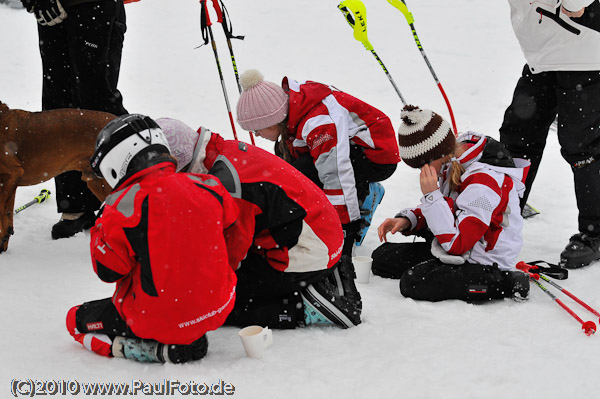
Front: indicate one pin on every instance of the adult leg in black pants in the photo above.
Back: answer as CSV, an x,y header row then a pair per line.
x,y
575,97
81,59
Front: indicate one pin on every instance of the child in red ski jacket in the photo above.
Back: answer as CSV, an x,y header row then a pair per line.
x,y
294,273
473,216
341,143
160,238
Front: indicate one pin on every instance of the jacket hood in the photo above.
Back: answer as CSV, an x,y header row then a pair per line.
x,y
492,153
303,96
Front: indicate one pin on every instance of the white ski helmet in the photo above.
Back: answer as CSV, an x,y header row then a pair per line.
x,y
126,139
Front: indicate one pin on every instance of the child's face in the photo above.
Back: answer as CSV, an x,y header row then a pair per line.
x,y
270,133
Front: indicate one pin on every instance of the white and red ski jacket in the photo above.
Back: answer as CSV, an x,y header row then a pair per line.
x,y
483,218
160,239
325,121
284,216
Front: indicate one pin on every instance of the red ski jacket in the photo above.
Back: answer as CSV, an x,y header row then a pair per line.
x,y
325,122
160,238
285,217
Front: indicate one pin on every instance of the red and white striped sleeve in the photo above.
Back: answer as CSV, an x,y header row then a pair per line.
x,y
460,228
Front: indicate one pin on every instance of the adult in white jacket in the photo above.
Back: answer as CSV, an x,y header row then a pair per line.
x,y
561,43
471,214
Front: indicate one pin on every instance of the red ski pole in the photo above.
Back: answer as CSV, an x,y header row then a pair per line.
x,y
588,327
206,27
222,19
524,266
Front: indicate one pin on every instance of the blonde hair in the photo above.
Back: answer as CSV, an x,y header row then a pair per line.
x,y
456,172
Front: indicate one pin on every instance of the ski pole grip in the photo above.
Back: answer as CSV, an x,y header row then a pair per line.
x,y
360,20
205,10
525,267
401,6
43,196
217,8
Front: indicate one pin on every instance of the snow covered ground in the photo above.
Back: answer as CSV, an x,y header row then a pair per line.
x,y
404,348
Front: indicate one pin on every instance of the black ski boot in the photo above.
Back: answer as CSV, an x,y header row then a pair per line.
x,y
150,351
582,250
68,227
334,299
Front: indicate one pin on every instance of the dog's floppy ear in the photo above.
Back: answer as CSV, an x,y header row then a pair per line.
x,y
3,107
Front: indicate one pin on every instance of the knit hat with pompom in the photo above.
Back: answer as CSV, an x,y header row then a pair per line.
x,y
262,104
182,140
423,136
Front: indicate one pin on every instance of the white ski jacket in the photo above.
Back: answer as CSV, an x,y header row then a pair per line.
x,y
551,41
482,221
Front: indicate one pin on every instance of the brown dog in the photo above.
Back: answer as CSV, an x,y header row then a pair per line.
x,y
36,146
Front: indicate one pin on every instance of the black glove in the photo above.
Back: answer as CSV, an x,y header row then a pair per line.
x,y
29,4
49,12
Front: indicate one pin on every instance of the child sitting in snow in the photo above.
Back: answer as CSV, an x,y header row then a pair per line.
x,y
473,215
160,238
294,273
341,143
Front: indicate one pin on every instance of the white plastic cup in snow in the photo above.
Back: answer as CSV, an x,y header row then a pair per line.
x,y
255,340
362,266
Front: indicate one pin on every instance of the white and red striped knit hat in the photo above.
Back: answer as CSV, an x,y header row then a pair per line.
x,y
423,136
262,104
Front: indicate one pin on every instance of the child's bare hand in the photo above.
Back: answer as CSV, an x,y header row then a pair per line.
x,y
572,14
428,179
392,225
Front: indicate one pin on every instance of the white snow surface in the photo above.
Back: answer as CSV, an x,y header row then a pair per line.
x,y
403,348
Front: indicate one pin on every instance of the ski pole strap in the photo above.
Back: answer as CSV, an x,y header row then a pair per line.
x,y
223,19
204,21
401,6
356,16
551,270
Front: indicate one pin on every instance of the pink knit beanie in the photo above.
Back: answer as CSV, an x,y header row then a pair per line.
x,y
262,104
182,140
423,136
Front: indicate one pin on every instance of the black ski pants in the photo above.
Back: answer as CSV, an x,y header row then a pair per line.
x,y
424,277
81,59
575,97
268,297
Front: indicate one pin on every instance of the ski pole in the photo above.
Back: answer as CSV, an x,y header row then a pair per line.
x,y
227,28
588,327
359,25
38,199
401,5
205,25
528,267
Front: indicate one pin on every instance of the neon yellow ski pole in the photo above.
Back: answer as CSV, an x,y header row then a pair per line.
x,y
356,16
401,6
38,199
